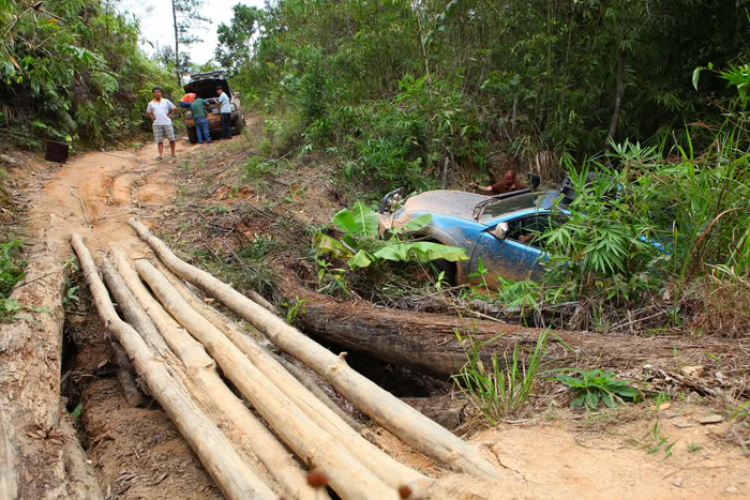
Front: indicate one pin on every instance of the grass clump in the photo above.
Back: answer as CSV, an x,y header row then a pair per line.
x,y
503,388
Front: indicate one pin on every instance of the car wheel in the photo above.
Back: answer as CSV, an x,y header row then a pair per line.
x,y
448,268
192,135
239,124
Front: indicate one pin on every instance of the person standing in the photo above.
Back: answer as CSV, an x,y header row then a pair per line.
x,y
198,109
507,185
161,110
226,114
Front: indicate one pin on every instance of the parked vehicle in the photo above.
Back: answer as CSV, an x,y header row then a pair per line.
x,y
204,86
503,231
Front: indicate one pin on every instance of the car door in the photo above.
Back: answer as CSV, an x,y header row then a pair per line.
x,y
507,258
513,257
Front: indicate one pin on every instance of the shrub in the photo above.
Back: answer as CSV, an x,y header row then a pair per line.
x,y
503,388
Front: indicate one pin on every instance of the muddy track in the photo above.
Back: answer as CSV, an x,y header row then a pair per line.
x,y
95,194
135,452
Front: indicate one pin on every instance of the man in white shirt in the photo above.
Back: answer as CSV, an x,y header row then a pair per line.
x,y
226,114
161,111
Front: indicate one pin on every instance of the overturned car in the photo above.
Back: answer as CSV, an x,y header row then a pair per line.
x,y
501,232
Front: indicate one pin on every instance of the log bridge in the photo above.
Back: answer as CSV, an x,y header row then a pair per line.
x,y
184,350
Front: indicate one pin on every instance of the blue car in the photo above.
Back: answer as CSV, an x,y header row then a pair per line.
x,y
502,230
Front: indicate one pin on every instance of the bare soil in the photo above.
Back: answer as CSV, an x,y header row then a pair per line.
x,y
138,454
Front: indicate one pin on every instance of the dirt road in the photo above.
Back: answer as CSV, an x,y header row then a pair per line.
x,y
94,194
137,453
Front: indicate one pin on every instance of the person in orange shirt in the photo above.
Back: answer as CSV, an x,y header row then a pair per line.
x,y
507,185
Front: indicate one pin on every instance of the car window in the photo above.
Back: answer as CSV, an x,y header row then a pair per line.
x,y
530,229
507,205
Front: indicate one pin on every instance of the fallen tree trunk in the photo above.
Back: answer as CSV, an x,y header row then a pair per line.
x,y
125,375
402,420
220,459
348,476
40,456
428,343
271,453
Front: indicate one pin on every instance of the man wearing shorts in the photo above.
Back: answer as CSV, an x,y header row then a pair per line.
x,y
161,110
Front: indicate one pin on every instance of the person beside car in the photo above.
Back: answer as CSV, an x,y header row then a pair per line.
x,y
198,109
187,100
507,185
161,110
226,114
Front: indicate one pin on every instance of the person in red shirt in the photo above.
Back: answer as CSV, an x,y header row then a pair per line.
x,y
508,184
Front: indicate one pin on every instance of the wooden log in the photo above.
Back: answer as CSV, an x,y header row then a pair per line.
x,y
8,460
132,311
39,457
215,452
402,420
386,468
311,386
271,453
427,342
348,476
136,315
125,375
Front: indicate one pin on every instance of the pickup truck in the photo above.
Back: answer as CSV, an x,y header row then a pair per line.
x,y
204,85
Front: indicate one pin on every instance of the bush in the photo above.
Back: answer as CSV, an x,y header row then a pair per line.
x,y
82,79
649,231
12,266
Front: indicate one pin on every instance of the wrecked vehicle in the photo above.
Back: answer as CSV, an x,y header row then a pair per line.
x,y
502,232
204,85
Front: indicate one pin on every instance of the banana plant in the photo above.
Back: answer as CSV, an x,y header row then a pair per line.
x,y
361,246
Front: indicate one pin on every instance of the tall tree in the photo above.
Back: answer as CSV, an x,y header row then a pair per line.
x,y
235,40
186,19
165,55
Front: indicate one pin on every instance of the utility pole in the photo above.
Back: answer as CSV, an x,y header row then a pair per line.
x,y
176,44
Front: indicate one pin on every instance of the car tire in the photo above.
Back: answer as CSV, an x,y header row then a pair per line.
x,y
192,135
239,124
448,268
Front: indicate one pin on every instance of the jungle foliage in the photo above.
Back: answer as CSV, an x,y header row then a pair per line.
x,y
414,93
72,71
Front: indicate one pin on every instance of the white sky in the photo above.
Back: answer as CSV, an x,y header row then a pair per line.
x,y
156,23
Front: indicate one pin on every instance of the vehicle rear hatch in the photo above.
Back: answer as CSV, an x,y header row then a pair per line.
x,y
206,88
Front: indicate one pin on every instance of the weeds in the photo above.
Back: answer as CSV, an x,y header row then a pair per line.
x,y
656,443
294,309
361,246
594,386
12,267
503,388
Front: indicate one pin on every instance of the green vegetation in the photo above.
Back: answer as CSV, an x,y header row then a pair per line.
x,y
590,387
361,246
412,94
503,388
72,71
656,442
12,266
648,97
